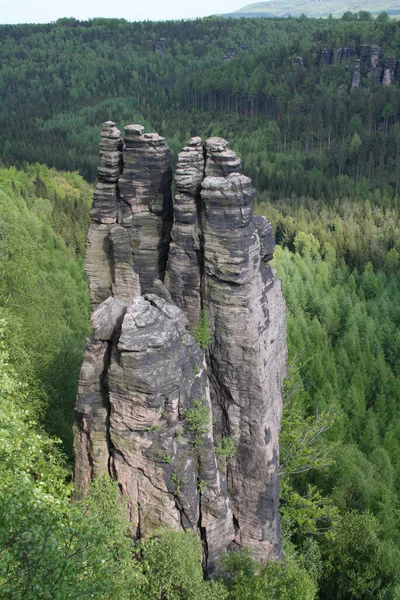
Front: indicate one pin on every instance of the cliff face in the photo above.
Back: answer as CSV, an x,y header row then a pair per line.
x,y
368,63
153,409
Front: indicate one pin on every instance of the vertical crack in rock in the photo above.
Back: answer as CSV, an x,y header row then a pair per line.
x,y
151,405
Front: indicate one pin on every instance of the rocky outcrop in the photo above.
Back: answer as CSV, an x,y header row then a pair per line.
x,y
357,74
154,409
389,71
370,63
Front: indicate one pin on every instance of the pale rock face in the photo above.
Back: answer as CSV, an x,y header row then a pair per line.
x,y
389,71
91,447
145,381
98,263
357,74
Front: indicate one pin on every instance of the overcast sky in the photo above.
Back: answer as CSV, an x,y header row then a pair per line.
x,y
44,11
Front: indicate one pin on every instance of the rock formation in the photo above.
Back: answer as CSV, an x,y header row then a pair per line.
x,y
357,74
370,63
389,71
154,409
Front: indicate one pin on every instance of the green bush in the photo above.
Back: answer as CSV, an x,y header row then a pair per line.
x,y
226,447
202,333
245,579
197,418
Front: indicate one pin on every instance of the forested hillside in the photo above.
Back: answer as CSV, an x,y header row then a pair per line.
x,y
300,130
295,8
43,291
325,159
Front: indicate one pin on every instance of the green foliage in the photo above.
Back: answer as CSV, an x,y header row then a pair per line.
x,y
177,482
171,563
197,418
43,291
293,127
226,447
308,512
306,244
246,579
202,333
325,160
201,485
50,548
360,564
341,409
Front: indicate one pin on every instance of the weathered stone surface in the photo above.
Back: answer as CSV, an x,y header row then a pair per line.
x,y
184,260
220,161
326,56
98,264
104,208
105,197
266,236
146,202
157,373
348,52
126,283
245,373
107,319
91,448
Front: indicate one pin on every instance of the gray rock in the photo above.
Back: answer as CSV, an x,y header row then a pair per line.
x,y
98,263
326,56
154,379
267,239
107,318
184,260
104,207
245,374
91,448
126,283
146,202
220,161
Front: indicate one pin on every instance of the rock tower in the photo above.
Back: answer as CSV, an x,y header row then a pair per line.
x,y
189,433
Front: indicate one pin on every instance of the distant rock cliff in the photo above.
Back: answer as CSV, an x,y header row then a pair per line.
x,y
368,62
154,409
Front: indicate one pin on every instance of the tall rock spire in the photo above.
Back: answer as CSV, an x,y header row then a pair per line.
x,y
246,360
153,408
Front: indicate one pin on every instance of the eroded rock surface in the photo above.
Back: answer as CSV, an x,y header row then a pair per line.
x,y
152,405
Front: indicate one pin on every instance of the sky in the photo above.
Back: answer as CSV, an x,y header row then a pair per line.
x,y
44,11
